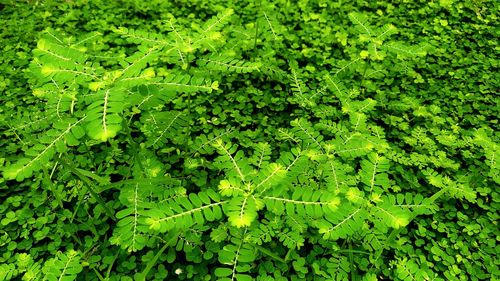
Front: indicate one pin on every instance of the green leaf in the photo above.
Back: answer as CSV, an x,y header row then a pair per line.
x,y
241,211
223,272
236,166
183,212
236,255
393,216
228,64
374,173
162,126
65,266
183,83
343,223
129,233
304,130
104,114
361,22
41,153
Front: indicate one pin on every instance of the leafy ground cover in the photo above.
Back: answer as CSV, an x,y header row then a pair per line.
x,y
249,140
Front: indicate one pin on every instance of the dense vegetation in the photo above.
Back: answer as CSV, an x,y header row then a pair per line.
x,y
249,140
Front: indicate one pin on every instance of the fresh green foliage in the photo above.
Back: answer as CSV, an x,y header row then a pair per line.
x,y
249,140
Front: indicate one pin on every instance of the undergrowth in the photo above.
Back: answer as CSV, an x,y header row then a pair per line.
x,y
225,144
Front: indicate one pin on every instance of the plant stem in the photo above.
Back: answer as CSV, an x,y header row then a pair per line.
x,y
90,186
269,253
351,261
395,232
256,23
135,146
364,74
152,262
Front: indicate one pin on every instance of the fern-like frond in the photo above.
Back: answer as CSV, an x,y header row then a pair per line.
x,y
92,36
184,212
208,34
232,187
161,126
185,83
54,62
272,24
145,98
295,162
65,132
49,49
291,239
457,190
358,121
361,22
343,223
460,190
337,174
337,87
374,173
65,266
415,203
386,31
242,210
145,78
305,131
273,71
59,60
299,90
228,64
268,177
295,223
261,233
391,215
128,233
262,155
235,255
7,271
351,147
339,268
360,106
410,270
405,51
304,202
60,100
331,128
104,114
140,37
28,122
376,239
134,64
204,143
218,21
138,195
285,134
345,65
219,234
236,166
326,113
491,151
